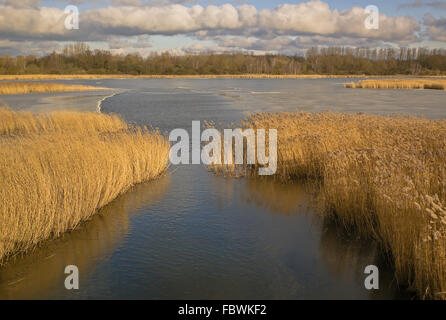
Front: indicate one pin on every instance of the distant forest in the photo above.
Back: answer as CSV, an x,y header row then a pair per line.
x,y
80,59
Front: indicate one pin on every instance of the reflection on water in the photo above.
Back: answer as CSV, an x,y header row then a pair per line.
x,y
344,256
40,274
342,253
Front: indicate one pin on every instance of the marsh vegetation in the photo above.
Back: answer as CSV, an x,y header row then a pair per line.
x,y
381,177
436,84
38,87
58,169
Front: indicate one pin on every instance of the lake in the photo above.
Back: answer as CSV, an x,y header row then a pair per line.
x,y
195,235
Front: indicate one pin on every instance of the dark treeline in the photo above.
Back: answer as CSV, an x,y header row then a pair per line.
x,y
79,59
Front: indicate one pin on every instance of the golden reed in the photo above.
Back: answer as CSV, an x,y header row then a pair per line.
x,y
194,76
58,169
381,177
13,123
35,87
436,84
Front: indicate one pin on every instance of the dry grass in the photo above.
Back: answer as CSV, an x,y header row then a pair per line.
x,y
437,84
14,123
36,87
205,76
382,177
58,170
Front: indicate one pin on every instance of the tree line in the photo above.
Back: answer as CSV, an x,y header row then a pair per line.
x,y
80,59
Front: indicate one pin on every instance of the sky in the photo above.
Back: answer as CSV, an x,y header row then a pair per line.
x,y
289,27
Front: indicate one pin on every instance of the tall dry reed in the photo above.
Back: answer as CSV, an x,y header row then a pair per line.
x,y
37,87
13,123
55,176
381,177
436,84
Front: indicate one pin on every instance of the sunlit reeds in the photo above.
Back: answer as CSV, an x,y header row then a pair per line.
x,y
19,123
436,84
192,76
383,178
57,170
16,87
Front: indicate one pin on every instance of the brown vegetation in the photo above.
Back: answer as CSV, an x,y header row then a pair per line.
x,y
21,123
32,87
58,169
381,177
437,84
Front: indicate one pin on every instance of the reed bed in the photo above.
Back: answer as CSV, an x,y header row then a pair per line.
x,y
436,84
21,87
56,176
19,123
380,177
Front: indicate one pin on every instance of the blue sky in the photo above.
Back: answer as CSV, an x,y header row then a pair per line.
x,y
255,26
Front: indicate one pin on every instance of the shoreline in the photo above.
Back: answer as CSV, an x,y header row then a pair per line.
x,y
205,76
33,160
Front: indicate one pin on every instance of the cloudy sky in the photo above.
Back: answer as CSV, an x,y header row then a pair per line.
x,y
192,26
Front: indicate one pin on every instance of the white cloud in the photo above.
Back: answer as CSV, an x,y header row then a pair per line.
x,y
436,28
314,17
233,27
31,23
